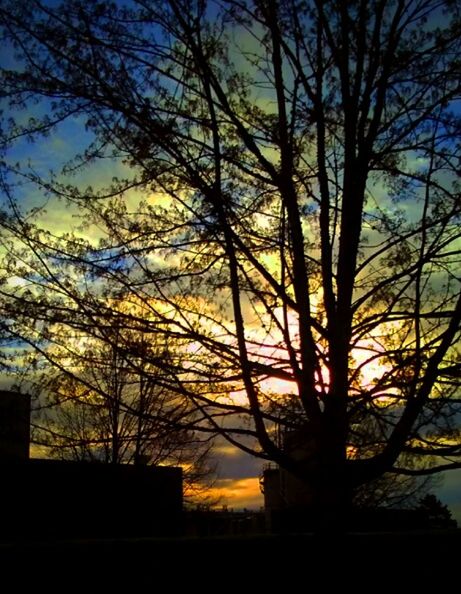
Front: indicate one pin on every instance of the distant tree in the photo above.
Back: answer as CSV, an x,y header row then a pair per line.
x,y
438,514
110,402
393,490
284,200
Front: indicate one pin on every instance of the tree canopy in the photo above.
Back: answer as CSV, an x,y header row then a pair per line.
x,y
275,186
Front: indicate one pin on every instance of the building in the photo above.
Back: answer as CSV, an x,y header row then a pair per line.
x,y
48,499
287,499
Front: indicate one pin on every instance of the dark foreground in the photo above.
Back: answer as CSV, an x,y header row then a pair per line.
x,y
360,562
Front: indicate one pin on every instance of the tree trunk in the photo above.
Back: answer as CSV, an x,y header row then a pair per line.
x,y
331,508
320,490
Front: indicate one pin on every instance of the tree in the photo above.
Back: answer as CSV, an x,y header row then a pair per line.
x,y
392,490
111,406
108,401
286,204
438,515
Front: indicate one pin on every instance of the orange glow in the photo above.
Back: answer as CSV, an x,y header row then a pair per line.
x,y
238,493
371,370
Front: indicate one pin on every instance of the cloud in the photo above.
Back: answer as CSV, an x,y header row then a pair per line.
x,y
238,482
239,493
236,464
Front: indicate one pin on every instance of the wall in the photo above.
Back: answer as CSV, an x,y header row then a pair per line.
x,y
49,499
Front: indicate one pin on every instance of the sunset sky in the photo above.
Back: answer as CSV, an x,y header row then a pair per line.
x,y
238,474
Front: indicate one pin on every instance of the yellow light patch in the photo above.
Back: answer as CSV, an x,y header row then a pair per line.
x,y
238,493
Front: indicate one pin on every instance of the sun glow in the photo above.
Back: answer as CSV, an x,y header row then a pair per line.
x,y
237,493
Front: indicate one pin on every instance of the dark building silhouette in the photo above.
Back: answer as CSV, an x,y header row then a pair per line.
x,y
288,502
48,499
44,499
288,509
14,426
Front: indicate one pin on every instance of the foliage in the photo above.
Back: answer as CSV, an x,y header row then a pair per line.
x,y
438,514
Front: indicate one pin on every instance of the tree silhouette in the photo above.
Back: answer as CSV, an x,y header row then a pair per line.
x,y
111,406
285,203
104,397
439,515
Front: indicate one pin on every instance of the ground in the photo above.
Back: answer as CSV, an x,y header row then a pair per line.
x,y
356,561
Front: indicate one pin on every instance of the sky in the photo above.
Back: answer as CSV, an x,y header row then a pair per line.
x,y
238,482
